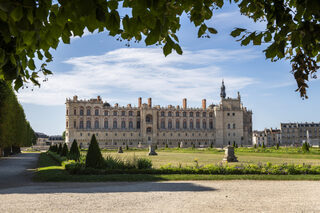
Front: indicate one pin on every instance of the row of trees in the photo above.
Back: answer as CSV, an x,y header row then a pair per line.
x,y
63,151
15,130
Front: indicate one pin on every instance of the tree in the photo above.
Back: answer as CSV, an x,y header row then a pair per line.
x,y
74,153
305,147
94,158
263,145
277,146
255,146
64,135
59,151
65,151
30,29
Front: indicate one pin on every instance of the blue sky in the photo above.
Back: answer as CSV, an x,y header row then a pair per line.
x,y
97,64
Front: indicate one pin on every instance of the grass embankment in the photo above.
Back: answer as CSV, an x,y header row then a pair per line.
x,y
50,169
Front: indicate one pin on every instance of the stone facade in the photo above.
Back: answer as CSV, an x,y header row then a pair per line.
x,y
270,137
175,126
296,133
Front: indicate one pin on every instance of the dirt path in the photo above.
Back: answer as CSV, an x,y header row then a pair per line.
x,y
177,196
16,170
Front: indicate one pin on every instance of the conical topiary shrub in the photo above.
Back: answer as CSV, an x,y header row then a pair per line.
x,y
94,158
74,153
59,149
65,151
305,147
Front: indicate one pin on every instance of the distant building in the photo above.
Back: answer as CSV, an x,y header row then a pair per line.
x,y
114,126
270,137
296,133
44,141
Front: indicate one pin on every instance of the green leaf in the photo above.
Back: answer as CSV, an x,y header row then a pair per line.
x,y
246,41
167,49
257,39
202,30
18,83
267,37
178,49
237,32
46,72
212,30
16,14
31,64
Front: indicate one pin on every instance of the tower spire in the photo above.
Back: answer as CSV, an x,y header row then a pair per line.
x,y
223,90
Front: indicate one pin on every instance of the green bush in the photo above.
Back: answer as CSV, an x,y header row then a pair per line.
x,y
94,158
65,151
305,147
74,153
277,146
166,146
263,146
59,151
255,146
144,163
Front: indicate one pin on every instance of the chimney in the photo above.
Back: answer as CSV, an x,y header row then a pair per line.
x,y
204,103
116,105
75,98
184,103
99,98
129,105
139,102
149,102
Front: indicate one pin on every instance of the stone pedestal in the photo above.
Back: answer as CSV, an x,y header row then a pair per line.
x,y
229,154
152,149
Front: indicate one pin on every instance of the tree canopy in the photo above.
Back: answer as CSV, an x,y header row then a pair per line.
x,y
29,29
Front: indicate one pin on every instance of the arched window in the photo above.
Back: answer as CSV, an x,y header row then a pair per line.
x,y
177,114
162,114
106,124
184,124
67,124
130,113
115,113
149,130
123,113
115,124
81,125
96,112
169,114
88,125
106,113
191,114
177,124
74,112
149,118
74,124
130,125
138,124
81,111
204,114
96,124
197,114
234,126
228,126
162,125
211,124
191,124
123,124
204,124
184,114
170,124
198,124
88,111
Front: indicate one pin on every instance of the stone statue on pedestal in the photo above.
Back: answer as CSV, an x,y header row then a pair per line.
x,y
229,154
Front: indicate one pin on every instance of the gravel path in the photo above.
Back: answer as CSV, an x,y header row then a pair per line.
x,y
19,194
180,196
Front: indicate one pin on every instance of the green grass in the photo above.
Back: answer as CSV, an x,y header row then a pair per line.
x,y
50,170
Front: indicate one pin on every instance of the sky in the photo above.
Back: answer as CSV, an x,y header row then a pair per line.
x,y
98,64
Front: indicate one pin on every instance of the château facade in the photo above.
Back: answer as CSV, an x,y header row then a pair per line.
x,y
172,126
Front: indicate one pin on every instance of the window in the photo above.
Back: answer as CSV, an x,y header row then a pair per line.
x,y
123,113
149,118
115,124
96,124
228,114
198,124
149,130
234,126
123,124
169,114
75,112
138,124
130,113
233,114
211,124
184,114
106,113
115,113
191,124
210,114
88,112
88,125
177,114
74,124
106,124
162,125
204,124
191,114
162,114
130,125
96,112
228,126
197,114
67,112
170,124
81,125
67,124
177,124
204,114
138,113
81,111
184,124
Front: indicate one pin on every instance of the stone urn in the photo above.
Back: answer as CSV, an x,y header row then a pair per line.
x,y
229,154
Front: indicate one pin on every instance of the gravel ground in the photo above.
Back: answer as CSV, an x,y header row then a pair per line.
x,y
19,194
178,196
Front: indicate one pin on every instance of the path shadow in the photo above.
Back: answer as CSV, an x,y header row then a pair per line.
x,y
110,187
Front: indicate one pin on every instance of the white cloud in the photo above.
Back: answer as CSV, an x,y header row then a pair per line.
x,y
124,74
